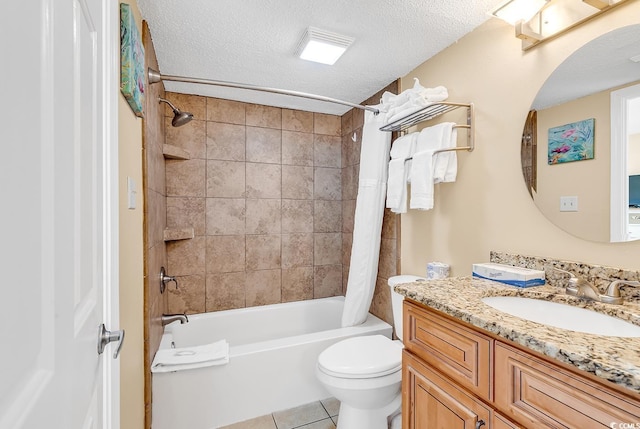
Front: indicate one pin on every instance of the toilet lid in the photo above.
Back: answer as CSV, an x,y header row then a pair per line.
x,y
362,357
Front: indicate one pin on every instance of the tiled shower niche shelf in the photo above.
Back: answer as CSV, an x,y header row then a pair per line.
x,y
174,152
176,234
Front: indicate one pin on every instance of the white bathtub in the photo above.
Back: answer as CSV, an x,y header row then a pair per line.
x,y
273,353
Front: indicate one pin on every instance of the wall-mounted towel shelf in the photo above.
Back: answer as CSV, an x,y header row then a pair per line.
x,y
432,111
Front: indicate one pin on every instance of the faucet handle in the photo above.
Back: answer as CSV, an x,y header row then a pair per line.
x,y
164,279
574,281
571,275
580,287
613,290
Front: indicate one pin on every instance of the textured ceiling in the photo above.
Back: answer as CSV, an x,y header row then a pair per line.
x,y
253,42
601,64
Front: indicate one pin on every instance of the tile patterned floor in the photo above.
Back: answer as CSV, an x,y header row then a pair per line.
x,y
316,415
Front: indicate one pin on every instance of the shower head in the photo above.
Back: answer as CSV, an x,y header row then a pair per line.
x,y
179,117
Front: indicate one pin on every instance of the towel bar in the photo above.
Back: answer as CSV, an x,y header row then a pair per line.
x,y
468,148
431,111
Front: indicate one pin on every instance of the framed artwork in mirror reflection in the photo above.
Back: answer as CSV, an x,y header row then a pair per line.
x,y
571,142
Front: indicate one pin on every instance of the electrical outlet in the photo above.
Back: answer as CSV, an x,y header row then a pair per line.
x,y
568,204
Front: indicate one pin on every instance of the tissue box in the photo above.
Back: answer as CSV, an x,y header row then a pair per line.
x,y
514,276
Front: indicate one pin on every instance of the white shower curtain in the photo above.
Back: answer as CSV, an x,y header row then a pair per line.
x,y
365,251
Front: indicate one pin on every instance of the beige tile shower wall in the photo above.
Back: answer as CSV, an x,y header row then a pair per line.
x,y
154,219
388,264
263,192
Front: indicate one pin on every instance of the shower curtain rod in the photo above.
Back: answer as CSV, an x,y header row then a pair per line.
x,y
155,77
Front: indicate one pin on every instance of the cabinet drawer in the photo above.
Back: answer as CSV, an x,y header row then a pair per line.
x,y
536,393
462,354
432,401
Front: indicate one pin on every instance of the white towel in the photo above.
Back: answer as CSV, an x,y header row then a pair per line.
x,y
446,163
404,146
402,149
406,109
422,180
423,167
411,100
178,359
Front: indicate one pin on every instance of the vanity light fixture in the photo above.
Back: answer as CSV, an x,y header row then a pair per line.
x,y
513,11
538,20
322,46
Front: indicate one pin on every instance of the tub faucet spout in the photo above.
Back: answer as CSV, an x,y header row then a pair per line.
x,y
168,318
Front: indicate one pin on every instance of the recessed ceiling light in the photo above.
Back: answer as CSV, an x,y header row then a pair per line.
x,y
513,11
322,46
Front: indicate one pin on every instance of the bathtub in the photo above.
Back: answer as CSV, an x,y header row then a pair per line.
x,y
272,360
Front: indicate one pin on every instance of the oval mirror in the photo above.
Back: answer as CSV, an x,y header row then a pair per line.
x,y
581,142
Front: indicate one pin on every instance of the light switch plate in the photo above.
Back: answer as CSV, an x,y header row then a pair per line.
x,y
131,194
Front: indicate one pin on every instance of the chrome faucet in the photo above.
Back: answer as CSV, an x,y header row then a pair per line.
x,y
581,288
612,295
168,318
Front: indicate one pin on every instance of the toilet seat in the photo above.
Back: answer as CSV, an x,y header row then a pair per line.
x,y
362,357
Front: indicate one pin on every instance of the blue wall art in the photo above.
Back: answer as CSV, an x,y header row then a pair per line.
x,y
571,142
132,66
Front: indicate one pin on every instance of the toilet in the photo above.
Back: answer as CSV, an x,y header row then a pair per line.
x,y
365,373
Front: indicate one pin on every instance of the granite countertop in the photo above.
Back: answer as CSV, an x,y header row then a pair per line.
x,y
614,359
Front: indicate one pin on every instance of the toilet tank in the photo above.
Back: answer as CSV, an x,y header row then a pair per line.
x,y
396,299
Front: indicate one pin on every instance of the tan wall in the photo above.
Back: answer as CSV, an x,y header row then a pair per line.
x,y
131,264
489,208
588,180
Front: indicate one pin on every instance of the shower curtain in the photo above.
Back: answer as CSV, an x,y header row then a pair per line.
x,y
365,251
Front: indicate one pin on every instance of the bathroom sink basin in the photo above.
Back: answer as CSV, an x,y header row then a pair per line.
x,y
563,316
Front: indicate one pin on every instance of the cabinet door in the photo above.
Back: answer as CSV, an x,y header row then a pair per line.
x,y
462,354
431,402
501,422
539,394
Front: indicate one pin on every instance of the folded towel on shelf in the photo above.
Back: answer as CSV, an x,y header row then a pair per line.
x,y
178,359
401,150
424,164
405,110
411,100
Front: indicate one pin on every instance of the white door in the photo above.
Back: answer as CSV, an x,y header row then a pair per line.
x,y
58,264
624,112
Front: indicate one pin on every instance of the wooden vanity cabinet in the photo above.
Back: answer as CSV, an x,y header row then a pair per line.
x,y
542,394
461,353
457,377
435,402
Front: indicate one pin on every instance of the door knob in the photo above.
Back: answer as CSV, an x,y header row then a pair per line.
x,y
105,337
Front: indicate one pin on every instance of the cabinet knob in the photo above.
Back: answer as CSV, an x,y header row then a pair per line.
x,y
479,424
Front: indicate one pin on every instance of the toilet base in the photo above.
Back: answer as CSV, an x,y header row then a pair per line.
x,y
358,418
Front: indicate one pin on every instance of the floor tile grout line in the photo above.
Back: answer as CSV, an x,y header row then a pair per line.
x,y
325,409
310,423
